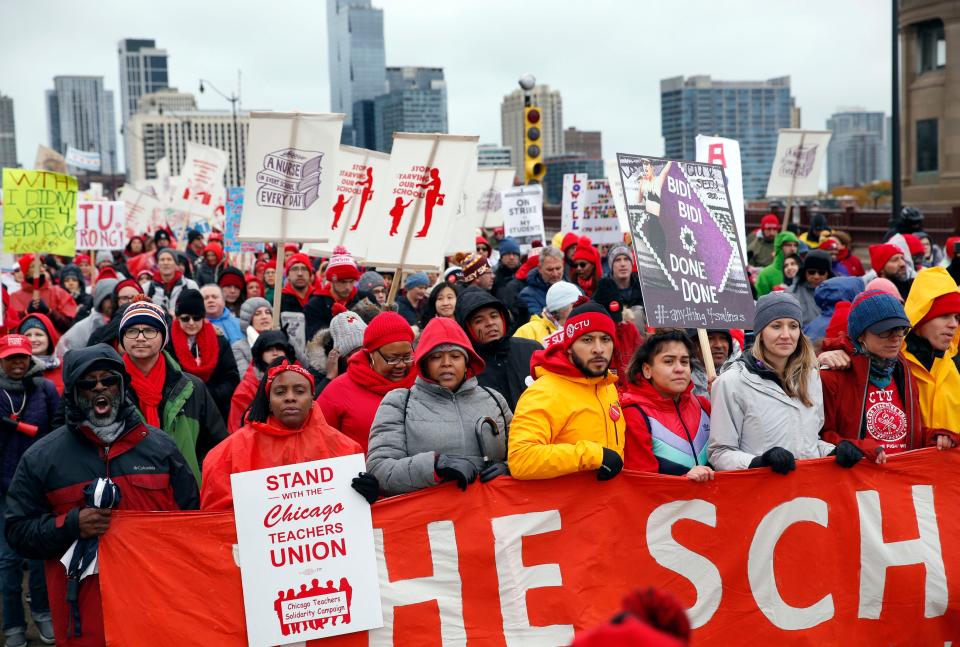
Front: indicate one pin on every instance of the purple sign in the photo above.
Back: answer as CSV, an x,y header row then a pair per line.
x,y
691,271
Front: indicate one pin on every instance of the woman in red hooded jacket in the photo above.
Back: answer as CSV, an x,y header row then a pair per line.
x,y
667,426
44,336
285,426
384,363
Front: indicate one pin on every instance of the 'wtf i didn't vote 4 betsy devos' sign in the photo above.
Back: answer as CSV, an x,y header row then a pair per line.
x,y
39,212
685,236
307,558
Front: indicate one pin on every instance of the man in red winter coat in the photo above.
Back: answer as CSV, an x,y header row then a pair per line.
x,y
38,294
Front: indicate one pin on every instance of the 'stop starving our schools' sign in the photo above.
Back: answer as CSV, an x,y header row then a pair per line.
x,y
684,233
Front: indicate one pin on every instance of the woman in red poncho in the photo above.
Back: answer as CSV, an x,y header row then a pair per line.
x,y
285,426
44,336
384,363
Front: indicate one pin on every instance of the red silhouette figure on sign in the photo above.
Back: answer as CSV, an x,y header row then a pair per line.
x,y
433,198
365,196
397,213
342,201
332,607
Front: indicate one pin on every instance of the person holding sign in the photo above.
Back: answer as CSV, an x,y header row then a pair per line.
x,y
569,420
447,427
283,427
38,294
768,406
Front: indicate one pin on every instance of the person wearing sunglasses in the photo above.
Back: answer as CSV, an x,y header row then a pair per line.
x,y
586,266
103,436
384,363
872,408
201,349
168,397
438,430
815,270
27,405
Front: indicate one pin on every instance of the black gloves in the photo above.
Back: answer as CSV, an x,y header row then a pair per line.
x,y
611,466
847,454
454,468
776,458
367,485
40,307
493,471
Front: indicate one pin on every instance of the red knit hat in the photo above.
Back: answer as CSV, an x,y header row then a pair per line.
x,y
480,240
232,278
949,247
589,317
568,240
295,259
914,244
945,304
386,328
586,252
769,220
216,249
342,267
25,262
880,255
838,322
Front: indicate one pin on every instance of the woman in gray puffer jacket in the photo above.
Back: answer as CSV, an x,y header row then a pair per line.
x,y
446,427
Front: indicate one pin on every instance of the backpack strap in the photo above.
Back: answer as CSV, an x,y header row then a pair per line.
x,y
646,418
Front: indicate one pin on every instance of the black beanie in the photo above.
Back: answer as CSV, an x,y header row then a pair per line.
x,y
272,339
817,260
190,302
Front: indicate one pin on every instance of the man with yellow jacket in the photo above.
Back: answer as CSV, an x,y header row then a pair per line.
x,y
569,420
933,307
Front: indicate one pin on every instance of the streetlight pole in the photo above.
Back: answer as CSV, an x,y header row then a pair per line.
x,y
234,98
895,176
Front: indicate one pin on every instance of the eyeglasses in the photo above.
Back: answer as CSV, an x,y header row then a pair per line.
x,y
395,361
107,381
483,248
188,319
899,331
148,333
818,272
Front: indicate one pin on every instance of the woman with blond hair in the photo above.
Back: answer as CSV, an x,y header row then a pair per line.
x,y
768,406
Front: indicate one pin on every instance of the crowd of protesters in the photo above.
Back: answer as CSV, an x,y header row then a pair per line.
x,y
166,368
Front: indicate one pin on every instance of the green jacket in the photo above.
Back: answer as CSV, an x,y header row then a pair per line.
x,y
760,251
189,415
772,275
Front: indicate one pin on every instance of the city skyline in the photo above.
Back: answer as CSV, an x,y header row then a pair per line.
x,y
283,56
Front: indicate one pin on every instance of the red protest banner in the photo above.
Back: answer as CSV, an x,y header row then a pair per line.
x,y
825,555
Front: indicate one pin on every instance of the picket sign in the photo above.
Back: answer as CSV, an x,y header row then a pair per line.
x,y
823,556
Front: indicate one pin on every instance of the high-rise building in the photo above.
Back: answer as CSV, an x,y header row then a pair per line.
x,y
588,142
751,112
491,155
80,114
357,61
857,153
8,140
560,165
511,123
416,102
143,69
154,135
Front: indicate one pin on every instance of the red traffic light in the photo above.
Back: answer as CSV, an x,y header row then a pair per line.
x,y
533,116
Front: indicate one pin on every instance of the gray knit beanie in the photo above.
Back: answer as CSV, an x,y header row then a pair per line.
x,y
776,305
346,329
370,280
250,306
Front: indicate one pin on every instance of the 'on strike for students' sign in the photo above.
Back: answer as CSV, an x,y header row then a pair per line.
x,y
685,236
39,212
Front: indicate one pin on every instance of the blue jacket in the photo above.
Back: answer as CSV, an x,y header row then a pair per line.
x,y
229,324
42,401
534,296
827,295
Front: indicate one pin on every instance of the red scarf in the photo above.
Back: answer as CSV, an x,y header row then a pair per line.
x,y
208,350
167,287
288,289
327,291
148,387
360,371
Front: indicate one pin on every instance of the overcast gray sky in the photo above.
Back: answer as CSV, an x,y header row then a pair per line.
x,y
607,58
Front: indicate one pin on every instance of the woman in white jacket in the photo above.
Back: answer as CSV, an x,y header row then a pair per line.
x,y
768,407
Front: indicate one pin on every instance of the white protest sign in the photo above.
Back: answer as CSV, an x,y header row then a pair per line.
x,y
523,213
419,203
101,225
588,209
142,211
482,206
798,164
199,187
307,559
726,153
291,176
360,172
87,160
